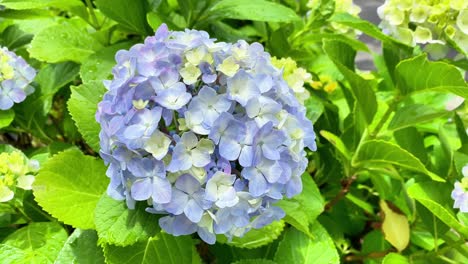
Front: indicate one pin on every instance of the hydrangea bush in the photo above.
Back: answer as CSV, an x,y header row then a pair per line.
x,y
233,131
207,132
15,79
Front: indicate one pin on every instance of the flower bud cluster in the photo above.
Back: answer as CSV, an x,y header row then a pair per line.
x,y
424,21
15,78
207,133
15,171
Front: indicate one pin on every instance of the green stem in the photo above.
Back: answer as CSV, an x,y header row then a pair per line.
x,y
93,15
436,244
384,118
18,206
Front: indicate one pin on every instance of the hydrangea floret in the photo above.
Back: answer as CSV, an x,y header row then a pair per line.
x,y
424,21
207,133
16,171
460,192
15,78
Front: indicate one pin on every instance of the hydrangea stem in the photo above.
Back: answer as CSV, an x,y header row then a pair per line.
x,y
92,14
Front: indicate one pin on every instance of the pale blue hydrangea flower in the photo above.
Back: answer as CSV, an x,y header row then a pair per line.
x,y
207,133
460,192
15,79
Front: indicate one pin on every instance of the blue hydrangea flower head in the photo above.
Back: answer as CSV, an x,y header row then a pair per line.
x,y
15,78
208,133
460,192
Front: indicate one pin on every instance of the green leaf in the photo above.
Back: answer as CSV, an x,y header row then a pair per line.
x,y
6,117
81,247
362,25
421,75
302,210
337,143
379,151
256,237
162,248
82,106
118,225
257,10
33,210
130,14
33,4
411,140
374,242
53,77
319,37
254,261
35,243
297,247
414,114
13,37
394,258
63,42
342,56
434,196
69,186
98,67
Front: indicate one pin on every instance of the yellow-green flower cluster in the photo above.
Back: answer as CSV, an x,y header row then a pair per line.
x,y
295,76
426,21
341,6
15,171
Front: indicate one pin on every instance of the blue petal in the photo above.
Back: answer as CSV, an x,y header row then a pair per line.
x,y
162,190
141,189
229,149
193,211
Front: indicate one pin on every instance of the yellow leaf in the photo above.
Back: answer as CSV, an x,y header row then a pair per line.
x,y
395,227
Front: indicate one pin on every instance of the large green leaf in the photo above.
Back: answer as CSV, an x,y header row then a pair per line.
x,y
254,261
337,143
436,197
53,77
394,258
13,37
162,248
411,140
302,210
130,14
81,247
256,237
6,117
82,106
362,25
35,243
63,42
383,152
32,4
296,247
118,225
319,37
342,56
69,186
98,67
257,10
414,114
418,74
